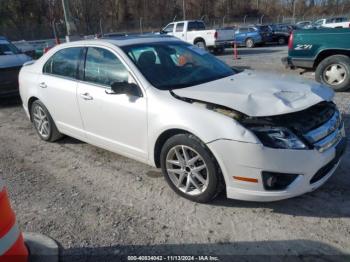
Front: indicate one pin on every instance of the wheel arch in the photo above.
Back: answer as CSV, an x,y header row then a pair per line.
x,y
198,39
249,38
329,52
163,137
31,100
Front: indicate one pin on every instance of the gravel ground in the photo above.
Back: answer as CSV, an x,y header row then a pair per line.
x,y
94,202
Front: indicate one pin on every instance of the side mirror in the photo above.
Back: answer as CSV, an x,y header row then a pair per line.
x,y
131,89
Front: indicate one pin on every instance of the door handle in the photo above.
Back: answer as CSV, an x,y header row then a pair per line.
x,y
43,85
86,96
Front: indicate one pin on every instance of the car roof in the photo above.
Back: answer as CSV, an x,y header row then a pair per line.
x,y
139,39
128,40
182,21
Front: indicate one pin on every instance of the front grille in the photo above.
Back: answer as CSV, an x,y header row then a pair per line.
x,y
301,122
9,72
9,79
327,135
319,126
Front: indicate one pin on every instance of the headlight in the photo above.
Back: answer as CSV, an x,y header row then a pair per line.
x,y
278,137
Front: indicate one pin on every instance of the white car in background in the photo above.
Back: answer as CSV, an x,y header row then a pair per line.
x,y
335,22
172,105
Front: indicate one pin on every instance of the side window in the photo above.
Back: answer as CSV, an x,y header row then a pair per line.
x,y
169,28
243,30
200,26
180,27
192,26
104,68
64,63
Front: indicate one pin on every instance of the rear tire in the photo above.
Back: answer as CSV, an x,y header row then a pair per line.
x,y
249,43
334,71
190,169
201,44
43,122
282,41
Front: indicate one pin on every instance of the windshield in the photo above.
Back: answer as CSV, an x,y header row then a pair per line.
x,y
170,66
8,49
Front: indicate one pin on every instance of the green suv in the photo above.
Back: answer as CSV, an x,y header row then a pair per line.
x,y
325,51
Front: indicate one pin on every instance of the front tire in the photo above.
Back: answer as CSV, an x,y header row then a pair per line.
x,y
190,169
43,122
334,71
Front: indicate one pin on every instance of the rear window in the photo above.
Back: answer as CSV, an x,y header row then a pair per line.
x,y
264,28
195,26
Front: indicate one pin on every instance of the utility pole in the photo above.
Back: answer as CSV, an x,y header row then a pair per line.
x,y
294,6
68,20
184,9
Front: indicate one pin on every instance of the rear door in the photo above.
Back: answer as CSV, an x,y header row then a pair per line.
x,y
117,122
58,89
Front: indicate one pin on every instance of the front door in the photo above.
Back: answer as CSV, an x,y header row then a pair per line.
x,y
117,122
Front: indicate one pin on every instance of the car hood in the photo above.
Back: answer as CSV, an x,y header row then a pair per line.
x,y
260,94
13,60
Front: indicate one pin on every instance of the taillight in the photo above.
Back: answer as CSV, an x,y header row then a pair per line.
x,y
216,35
291,40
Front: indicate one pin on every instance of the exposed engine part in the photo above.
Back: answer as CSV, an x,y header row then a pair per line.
x,y
210,106
302,121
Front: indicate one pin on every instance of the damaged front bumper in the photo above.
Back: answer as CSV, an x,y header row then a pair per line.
x,y
257,172
236,159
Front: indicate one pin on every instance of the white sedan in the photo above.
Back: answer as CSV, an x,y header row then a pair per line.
x,y
171,105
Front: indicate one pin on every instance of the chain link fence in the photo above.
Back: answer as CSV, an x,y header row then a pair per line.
x,y
136,26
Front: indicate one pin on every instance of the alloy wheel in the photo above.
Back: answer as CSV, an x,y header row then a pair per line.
x,y
187,170
41,121
250,43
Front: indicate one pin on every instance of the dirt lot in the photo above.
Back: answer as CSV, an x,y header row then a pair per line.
x,y
95,202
